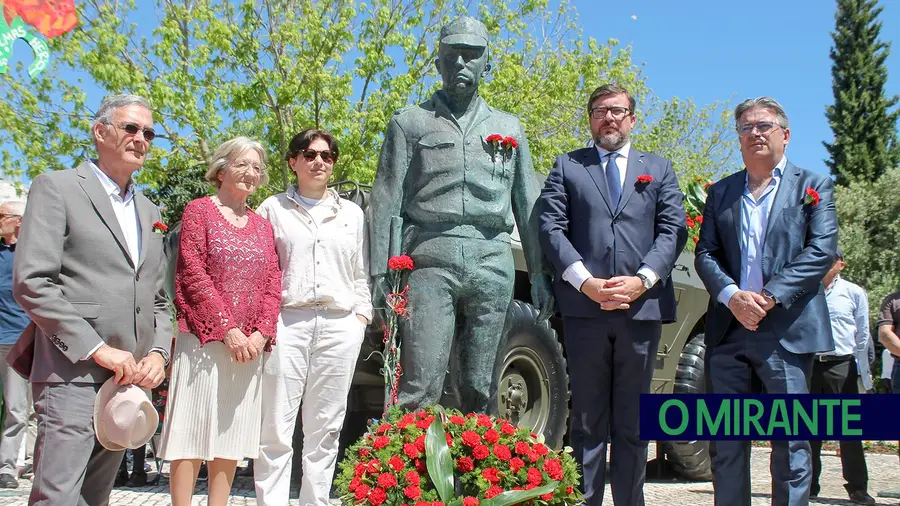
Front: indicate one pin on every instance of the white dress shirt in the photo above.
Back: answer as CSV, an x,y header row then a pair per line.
x,y
576,274
126,214
848,310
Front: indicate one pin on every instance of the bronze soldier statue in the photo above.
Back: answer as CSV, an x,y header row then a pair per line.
x,y
446,194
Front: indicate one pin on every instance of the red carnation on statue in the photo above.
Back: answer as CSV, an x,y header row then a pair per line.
x,y
510,143
401,263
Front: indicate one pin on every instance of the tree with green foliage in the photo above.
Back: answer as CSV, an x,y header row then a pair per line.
x,y
865,141
214,69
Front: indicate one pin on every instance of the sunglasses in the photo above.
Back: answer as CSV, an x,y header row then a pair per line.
x,y
311,154
133,129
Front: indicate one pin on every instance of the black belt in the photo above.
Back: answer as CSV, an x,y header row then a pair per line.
x,y
834,358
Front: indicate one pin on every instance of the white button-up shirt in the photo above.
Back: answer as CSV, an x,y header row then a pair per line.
x,y
126,212
848,309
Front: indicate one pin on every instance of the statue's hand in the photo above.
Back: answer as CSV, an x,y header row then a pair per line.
x,y
542,296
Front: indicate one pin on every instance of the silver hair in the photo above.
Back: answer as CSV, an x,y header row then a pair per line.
x,y
15,206
110,104
765,103
228,151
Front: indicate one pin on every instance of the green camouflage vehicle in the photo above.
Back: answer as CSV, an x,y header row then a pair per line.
x,y
531,373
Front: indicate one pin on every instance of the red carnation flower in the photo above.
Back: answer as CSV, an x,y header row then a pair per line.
x,y
396,462
535,477
420,443
413,478
644,178
690,222
373,466
470,501
401,263
699,218
510,143
364,452
481,452
547,497
387,480
522,448
470,438
361,492
465,464
502,452
570,490
508,429
491,436
381,442
515,464
494,138
378,496
424,423
533,457
458,420
413,492
410,450
484,421
449,439
360,469
541,449
554,469
383,428
421,466
812,197
696,240
493,491
491,474
354,484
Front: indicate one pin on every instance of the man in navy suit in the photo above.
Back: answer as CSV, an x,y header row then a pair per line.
x,y
768,238
612,224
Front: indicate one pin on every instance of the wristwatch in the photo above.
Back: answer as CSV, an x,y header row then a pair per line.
x,y
645,280
767,294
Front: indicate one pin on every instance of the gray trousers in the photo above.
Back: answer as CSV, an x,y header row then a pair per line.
x,y
70,467
19,429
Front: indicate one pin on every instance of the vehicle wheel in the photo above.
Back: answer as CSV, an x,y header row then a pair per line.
x,y
690,459
533,384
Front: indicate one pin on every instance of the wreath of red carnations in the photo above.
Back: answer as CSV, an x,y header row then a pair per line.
x,y
438,456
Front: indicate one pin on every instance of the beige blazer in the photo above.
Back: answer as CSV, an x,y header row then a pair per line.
x,y
75,279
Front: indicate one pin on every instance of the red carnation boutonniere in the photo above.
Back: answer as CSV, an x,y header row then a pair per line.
x,y
812,197
160,227
644,179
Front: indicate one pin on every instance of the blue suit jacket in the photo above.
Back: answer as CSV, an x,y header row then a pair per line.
x,y
800,248
646,228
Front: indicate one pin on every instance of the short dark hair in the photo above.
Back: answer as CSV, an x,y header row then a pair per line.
x,y
607,90
301,142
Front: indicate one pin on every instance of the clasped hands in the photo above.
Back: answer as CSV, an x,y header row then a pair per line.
x,y
148,373
750,308
614,293
244,348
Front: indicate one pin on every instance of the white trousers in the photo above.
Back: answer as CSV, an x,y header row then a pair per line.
x,y
313,362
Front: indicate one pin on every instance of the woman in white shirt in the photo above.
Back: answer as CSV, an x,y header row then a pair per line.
x,y
325,307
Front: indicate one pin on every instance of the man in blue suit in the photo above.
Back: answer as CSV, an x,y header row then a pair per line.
x,y
612,224
768,238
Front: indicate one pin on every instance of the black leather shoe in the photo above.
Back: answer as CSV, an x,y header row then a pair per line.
x,y
138,479
121,479
813,491
861,497
7,481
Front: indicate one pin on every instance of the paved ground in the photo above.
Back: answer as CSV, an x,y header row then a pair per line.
x,y
884,474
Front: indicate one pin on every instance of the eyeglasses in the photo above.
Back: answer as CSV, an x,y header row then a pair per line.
x,y
763,127
244,165
311,154
618,113
133,129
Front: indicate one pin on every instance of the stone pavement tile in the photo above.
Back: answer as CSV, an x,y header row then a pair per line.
x,y
884,474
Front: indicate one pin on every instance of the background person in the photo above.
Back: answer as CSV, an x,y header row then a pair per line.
x,y
227,295
836,372
325,307
888,325
91,320
765,245
17,405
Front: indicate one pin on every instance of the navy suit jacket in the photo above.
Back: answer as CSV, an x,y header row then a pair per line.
x,y
647,228
800,247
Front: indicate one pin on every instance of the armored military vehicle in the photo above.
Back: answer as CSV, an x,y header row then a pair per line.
x,y
531,373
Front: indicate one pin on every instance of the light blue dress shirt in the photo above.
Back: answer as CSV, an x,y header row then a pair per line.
x,y
754,219
848,309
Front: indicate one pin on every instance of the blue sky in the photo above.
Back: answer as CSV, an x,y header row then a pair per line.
x,y
722,50
712,50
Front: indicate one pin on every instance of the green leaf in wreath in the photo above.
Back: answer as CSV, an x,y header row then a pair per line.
x,y
519,496
438,461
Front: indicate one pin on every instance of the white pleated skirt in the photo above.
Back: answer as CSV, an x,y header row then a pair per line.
x,y
214,404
